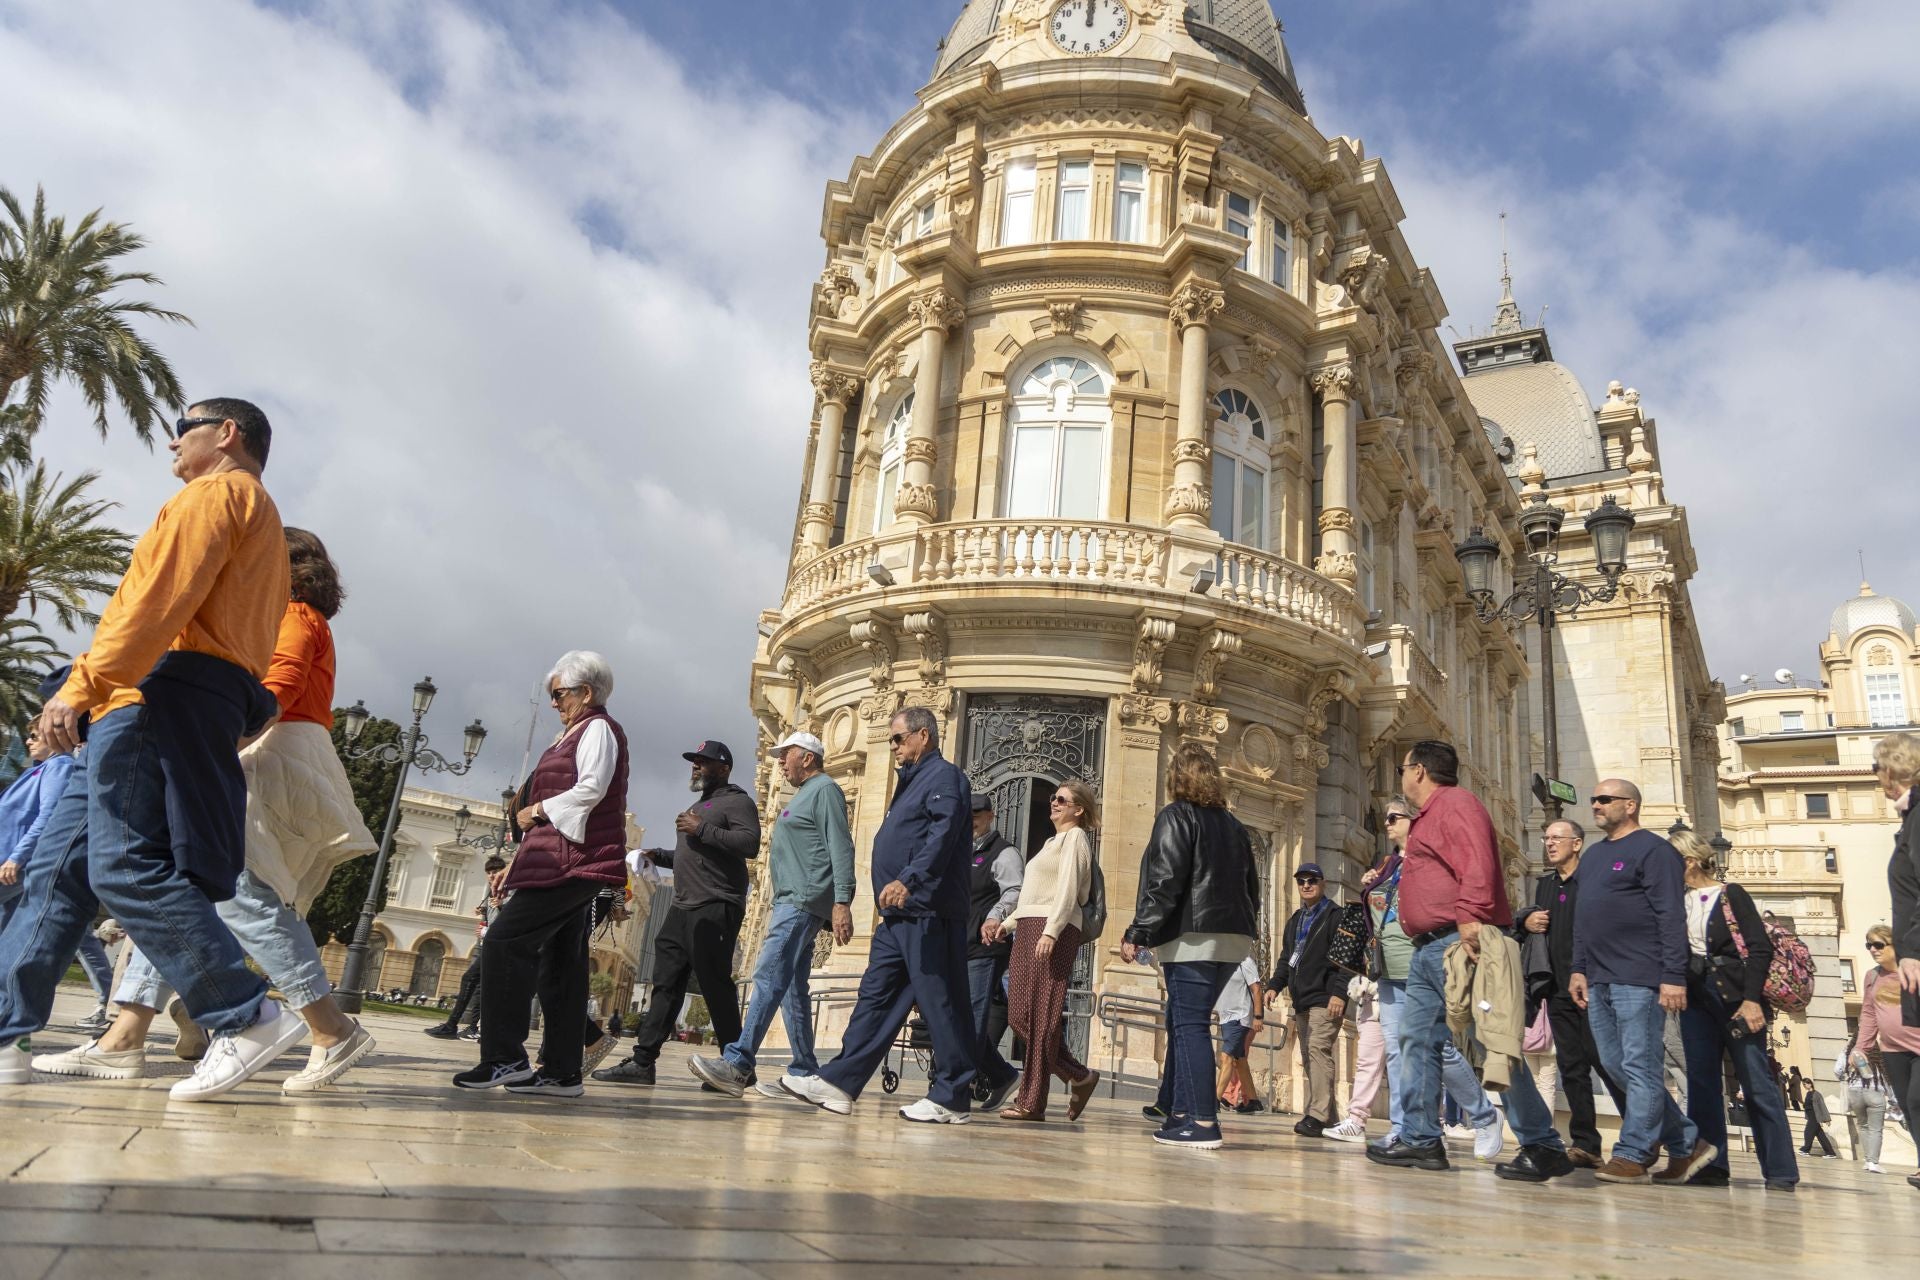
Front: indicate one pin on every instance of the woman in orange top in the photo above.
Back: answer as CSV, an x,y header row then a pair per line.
x,y
301,823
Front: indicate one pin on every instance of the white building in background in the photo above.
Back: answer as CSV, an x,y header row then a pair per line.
x,y
424,938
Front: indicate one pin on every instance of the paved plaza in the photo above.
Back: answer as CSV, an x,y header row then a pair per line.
x,y
395,1173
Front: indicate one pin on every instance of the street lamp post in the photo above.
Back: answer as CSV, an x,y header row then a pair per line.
x,y
409,753
499,840
1548,593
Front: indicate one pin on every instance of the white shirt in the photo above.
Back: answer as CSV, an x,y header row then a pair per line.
x,y
1701,904
594,759
1236,1002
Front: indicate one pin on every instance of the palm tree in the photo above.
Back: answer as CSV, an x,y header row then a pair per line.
x,y
54,550
58,319
25,658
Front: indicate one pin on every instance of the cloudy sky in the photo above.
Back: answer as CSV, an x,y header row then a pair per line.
x,y
523,285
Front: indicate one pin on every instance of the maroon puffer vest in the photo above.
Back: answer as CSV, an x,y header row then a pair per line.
x,y
546,857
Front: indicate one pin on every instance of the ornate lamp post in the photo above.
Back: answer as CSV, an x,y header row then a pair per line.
x,y
1548,592
1722,847
410,752
499,840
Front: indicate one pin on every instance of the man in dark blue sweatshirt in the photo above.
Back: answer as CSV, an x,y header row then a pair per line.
x,y
1629,972
921,880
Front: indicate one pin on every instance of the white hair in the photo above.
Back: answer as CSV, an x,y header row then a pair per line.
x,y
584,667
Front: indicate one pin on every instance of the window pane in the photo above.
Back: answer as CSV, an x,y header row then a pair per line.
x,y
883,512
1253,507
1017,223
1282,272
1076,183
1030,487
1223,494
1129,222
1240,223
1080,461
1886,702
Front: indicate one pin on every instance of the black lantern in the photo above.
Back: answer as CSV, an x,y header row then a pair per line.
x,y
475,734
1540,522
354,719
461,817
1609,524
423,697
1477,556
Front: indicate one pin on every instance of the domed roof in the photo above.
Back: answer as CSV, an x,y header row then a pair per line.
x,y
1243,32
1541,404
1869,610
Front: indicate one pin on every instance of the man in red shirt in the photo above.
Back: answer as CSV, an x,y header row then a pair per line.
x,y
1451,888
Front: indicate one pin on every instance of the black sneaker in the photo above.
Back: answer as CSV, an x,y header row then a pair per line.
x,y
628,1071
491,1075
548,1086
471,1033
1198,1137
1310,1127
444,1031
1153,1112
1781,1184
1535,1164
1405,1155
997,1096
1711,1176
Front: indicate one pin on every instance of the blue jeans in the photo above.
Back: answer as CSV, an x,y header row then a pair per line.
x,y
780,982
1186,1081
92,954
983,980
1629,1027
1703,1030
1456,1073
270,931
107,843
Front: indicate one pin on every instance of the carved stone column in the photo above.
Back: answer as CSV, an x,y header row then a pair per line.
x,y
836,391
936,311
1188,498
1340,474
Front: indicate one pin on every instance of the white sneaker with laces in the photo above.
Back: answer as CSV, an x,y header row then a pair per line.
x,y
233,1058
817,1091
1488,1142
927,1111
771,1088
1348,1130
324,1066
16,1063
93,1063
1874,1168
1458,1132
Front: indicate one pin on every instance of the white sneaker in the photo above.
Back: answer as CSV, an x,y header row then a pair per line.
x,y
1348,1130
927,1111
324,1066
235,1057
1488,1142
16,1063
1874,1168
94,1063
1458,1132
817,1091
771,1088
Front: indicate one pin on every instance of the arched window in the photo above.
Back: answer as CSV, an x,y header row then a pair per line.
x,y
428,955
893,448
1057,467
1241,462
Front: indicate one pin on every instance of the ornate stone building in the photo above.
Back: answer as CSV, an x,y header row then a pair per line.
x,y
1133,428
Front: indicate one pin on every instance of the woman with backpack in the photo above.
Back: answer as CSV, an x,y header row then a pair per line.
x,y
1046,927
1729,951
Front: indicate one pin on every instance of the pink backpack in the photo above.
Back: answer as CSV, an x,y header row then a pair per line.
x,y
1789,985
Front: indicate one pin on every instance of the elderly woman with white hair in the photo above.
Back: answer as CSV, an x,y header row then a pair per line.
x,y
575,846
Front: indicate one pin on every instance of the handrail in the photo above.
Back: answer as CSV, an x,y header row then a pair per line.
x,y
1120,1012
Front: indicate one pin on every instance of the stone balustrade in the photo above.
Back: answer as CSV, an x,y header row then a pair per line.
x,y
1788,862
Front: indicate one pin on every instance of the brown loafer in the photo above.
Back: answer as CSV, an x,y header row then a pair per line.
x,y
1680,1168
1621,1169
1079,1095
1581,1158
1020,1113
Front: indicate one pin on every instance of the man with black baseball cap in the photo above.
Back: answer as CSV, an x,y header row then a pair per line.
x,y
717,836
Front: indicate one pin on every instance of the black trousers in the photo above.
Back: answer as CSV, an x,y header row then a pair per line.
x,y
469,987
694,942
537,945
1814,1133
1579,1061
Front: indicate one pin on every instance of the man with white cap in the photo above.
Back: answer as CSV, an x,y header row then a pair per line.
x,y
811,861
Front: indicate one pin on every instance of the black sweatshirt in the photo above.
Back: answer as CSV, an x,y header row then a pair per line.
x,y
711,864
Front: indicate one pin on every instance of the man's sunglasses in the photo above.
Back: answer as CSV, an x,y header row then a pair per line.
x,y
1306,879
899,738
183,425
1597,801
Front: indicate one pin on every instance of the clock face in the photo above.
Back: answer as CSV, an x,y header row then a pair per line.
x,y
1090,26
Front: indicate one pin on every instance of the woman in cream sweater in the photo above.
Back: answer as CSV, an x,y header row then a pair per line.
x,y
1046,938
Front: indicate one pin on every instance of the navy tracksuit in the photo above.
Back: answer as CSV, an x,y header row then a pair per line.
x,y
919,951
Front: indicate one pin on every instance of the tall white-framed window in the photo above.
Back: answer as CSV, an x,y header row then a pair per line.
x,y
1016,220
1886,701
1280,253
1073,209
1240,223
1058,461
1242,463
1130,203
893,450
446,885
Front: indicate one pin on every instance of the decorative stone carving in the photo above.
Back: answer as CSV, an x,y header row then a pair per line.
x,y
1144,715
1334,686
1309,758
1412,366
1064,315
937,309
1336,518
1188,500
1196,304
1149,648
1340,566
817,513
878,711
876,638
1639,457
1215,648
930,633
916,499
832,385
920,449
1260,750
1192,451
1201,723
1266,359
797,668
837,284
1336,382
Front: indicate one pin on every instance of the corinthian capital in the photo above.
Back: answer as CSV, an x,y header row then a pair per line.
x,y
1191,451
832,385
937,309
1196,304
1335,382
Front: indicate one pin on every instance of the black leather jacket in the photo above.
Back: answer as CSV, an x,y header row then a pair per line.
x,y
1196,876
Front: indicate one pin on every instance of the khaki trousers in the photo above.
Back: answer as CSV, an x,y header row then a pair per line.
x,y
1316,1057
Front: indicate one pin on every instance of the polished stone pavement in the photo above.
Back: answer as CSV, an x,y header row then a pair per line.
x,y
395,1173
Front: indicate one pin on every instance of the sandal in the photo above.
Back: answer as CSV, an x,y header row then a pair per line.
x,y
1081,1094
1017,1113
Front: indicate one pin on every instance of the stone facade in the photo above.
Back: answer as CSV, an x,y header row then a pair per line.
x,y
1134,428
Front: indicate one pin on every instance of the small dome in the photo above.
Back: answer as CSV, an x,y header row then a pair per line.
x,y
1869,610
1541,404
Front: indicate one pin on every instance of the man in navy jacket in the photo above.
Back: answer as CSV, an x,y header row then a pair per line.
x,y
919,954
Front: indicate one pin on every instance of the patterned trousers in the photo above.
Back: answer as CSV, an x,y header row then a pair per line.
x,y
1036,997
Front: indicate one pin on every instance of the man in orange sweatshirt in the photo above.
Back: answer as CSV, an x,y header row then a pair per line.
x,y
152,822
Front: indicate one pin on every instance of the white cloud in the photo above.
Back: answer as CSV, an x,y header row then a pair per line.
x,y
517,439
1841,70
